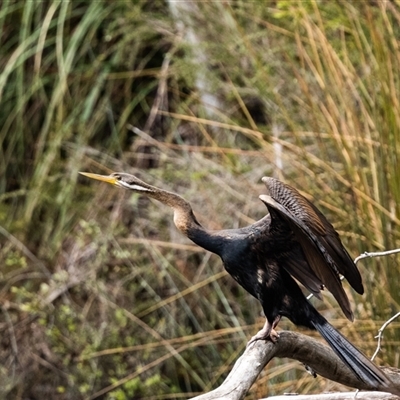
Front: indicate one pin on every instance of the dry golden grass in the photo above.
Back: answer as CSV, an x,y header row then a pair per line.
x,y
100,295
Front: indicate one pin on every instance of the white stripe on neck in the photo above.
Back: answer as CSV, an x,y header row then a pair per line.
x,y
138,188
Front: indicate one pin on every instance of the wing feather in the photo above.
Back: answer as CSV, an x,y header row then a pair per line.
x,y
320,243
298,267
305,211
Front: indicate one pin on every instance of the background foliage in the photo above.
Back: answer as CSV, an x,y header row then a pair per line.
x,y
100,295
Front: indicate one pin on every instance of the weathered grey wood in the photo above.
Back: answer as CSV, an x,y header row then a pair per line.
x,y
296,346
337,396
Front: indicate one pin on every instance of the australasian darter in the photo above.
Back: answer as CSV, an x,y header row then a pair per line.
x,y
294,240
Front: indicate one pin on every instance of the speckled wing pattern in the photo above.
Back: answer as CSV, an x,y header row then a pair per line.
x,y
326,258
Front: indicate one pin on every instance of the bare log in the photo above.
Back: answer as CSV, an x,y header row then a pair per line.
x,y
338,396
297,346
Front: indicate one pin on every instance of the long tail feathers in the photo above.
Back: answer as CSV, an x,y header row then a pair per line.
x,y
365,370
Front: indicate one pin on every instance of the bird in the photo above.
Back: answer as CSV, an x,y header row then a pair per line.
x,y
293,242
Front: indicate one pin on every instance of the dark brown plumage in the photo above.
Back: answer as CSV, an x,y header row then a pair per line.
x,y
293,241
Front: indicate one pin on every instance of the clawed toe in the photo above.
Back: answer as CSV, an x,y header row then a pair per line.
x,y
274,336
267,332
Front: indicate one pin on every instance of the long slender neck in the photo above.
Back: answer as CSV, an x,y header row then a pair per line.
x,y
186,221
184,218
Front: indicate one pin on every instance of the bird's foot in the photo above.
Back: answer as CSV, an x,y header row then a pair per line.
x,y
266,333
274,336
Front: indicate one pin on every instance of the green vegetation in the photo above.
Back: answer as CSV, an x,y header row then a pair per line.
x,y
100,296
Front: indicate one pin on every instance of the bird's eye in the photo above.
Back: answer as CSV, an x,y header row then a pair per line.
x,y
116,176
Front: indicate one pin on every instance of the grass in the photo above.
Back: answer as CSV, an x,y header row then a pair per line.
x,y
100,295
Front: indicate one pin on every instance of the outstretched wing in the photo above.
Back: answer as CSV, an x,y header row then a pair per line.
x,y
325,254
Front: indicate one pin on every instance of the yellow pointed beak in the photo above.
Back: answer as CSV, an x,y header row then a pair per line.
x,y
104,178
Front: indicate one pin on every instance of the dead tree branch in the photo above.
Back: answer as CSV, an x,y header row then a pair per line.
x,y
297,346
338,396
380,334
